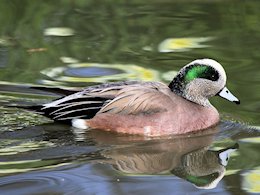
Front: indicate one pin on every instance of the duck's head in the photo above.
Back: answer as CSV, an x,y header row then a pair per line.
x,y
200,80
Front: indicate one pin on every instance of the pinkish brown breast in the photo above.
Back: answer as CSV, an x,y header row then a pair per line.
x,y
177,120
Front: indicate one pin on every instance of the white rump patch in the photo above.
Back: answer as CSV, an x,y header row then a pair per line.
x,y
79,123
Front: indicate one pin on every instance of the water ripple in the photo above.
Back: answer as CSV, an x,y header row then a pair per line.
x,y
95,72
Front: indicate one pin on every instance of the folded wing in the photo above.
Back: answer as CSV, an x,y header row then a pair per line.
x,y
117,98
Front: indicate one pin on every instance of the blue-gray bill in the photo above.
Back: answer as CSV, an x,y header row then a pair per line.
x,y
226,94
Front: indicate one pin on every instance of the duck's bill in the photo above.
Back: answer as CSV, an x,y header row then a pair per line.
x,y
226,94
225,153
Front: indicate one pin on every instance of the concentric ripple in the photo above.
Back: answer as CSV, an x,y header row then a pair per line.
x,y
96,73
85,179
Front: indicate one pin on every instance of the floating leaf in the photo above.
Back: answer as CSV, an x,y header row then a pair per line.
x,y
68,60
59,31
147,48
33,50
251,181
182,44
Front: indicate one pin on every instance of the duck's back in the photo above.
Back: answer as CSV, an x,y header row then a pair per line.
x,y
88,102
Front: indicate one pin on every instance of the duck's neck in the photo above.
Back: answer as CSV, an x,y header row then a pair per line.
x,y
178,86
198,100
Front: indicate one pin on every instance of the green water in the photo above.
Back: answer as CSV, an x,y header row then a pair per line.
x,y
80,43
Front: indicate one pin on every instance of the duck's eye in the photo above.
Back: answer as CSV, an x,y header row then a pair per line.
x,y
214,76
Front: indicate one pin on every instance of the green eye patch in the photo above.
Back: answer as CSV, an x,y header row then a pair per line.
x,y
199,71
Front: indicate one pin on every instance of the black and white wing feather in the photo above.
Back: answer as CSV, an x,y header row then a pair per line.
x,y
84,104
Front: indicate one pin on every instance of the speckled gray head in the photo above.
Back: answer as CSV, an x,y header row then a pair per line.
x,y
200,80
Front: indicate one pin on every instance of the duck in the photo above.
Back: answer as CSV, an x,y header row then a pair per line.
x,y
147,108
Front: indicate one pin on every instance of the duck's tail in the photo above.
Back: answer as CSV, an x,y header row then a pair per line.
x,y
56,90
34,89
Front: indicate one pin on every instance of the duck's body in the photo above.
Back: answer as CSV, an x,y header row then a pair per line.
x,y
147,108
152,109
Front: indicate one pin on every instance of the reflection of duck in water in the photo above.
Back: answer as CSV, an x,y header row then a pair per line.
x,y
186,157
204,168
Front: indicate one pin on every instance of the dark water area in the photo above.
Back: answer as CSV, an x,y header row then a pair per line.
x,y
74,44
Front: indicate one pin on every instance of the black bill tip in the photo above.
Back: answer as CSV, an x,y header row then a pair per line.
x,y
237,102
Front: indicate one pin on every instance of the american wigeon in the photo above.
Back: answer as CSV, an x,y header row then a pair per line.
x,y
147,108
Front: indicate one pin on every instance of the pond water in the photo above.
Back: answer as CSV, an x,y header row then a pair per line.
x,y
75,44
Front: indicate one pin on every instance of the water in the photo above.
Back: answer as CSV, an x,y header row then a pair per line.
x,y
76,44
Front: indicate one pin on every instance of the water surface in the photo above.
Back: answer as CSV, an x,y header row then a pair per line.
x,y
75,44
